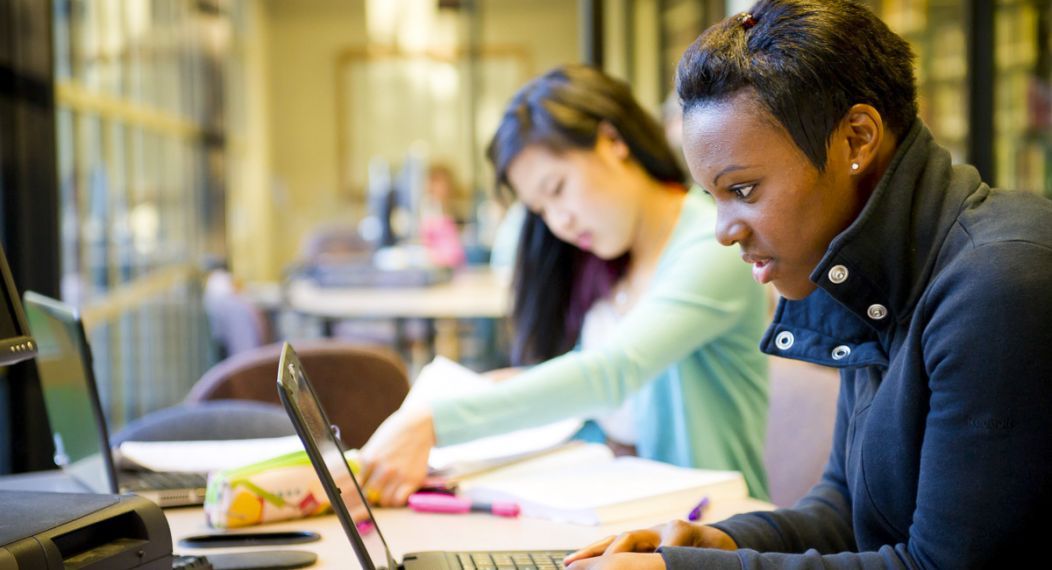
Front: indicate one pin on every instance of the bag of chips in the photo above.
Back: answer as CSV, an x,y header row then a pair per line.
x,y
282,488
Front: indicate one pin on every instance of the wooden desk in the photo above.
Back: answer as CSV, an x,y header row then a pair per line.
x,y
471,293
407,531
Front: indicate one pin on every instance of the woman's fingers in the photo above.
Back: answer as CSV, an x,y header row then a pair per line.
x,y
635,541
621,561
395,457
595,549
679,533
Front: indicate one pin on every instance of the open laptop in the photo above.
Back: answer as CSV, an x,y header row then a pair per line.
x,y
78,426
326,454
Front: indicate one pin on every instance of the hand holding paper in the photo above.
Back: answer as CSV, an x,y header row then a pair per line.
x,y
442,379
395,457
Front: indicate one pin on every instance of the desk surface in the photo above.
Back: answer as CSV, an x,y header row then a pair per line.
x,y
470,293
407,531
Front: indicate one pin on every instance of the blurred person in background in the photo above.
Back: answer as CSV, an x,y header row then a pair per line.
x,y
440,231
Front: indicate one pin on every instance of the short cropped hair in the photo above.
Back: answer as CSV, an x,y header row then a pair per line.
x,y
808,62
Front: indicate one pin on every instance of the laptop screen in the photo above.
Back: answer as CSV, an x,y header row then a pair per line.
x,y
63,363
326,454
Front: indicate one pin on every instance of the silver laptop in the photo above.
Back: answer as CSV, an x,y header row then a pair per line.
x,y
326,454
78,426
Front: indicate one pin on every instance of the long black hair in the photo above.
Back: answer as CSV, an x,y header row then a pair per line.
x,y
808,61
555,282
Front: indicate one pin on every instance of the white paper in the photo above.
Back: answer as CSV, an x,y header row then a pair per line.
x,y
442,379
205,456
588,489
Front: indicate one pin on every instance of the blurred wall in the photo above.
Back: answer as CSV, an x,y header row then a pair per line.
x,y
250,207
294,185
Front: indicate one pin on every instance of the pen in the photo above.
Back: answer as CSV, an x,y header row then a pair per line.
x,y
365,527
451,504
698,510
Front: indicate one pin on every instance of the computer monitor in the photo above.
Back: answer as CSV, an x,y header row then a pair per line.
x,y
15,343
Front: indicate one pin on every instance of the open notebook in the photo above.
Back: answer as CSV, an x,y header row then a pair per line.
x,y
552,476
585,484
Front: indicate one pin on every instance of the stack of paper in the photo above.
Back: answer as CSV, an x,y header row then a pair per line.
x,y
586,485
443,378
554,478
203,456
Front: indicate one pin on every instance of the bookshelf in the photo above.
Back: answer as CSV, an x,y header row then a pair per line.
x,y
1021,85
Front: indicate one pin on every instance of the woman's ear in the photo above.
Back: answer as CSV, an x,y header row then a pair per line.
x,y
864,129
608,134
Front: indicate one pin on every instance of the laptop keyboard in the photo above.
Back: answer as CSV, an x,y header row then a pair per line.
x,y
156,480
512,560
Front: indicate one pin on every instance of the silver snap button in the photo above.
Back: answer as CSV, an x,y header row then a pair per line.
x,y
784,340
840,352
877,311
838,274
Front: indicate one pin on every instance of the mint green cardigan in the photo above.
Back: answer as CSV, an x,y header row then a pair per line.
x,y
687,353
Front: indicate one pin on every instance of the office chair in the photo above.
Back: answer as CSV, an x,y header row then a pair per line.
x,y
799,427
214,420
359,386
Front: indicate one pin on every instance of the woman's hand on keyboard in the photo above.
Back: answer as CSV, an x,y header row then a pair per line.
x,y
395,457
674,533
625,561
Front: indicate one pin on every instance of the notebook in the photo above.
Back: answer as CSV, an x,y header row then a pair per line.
x,y
585,484
78,427
327,455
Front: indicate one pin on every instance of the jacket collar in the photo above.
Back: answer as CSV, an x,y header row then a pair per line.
x,y
874,272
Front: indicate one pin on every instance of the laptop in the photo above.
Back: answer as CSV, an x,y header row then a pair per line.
x,y
78,427
326,454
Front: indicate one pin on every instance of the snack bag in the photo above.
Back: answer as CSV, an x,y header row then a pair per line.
x,y
282,488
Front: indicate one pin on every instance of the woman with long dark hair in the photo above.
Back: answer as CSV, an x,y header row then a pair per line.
x,y
627,310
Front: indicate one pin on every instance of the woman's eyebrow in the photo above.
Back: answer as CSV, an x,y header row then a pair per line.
x,y
730,168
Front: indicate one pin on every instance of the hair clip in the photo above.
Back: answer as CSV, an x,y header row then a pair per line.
x,y
746,21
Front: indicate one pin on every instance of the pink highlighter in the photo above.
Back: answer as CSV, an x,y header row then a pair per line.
x,y
451,504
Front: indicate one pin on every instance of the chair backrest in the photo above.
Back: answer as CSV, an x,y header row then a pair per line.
x,y
359,386
799,427
219,419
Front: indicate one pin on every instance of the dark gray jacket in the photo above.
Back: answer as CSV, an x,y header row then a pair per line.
x,y
936,304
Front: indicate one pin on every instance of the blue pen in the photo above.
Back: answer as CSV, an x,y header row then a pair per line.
x,y
699,510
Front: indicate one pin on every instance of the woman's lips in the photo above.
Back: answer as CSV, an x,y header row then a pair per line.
x,y
762,268
584,241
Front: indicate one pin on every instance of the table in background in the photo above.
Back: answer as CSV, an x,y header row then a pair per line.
x,y
472,293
